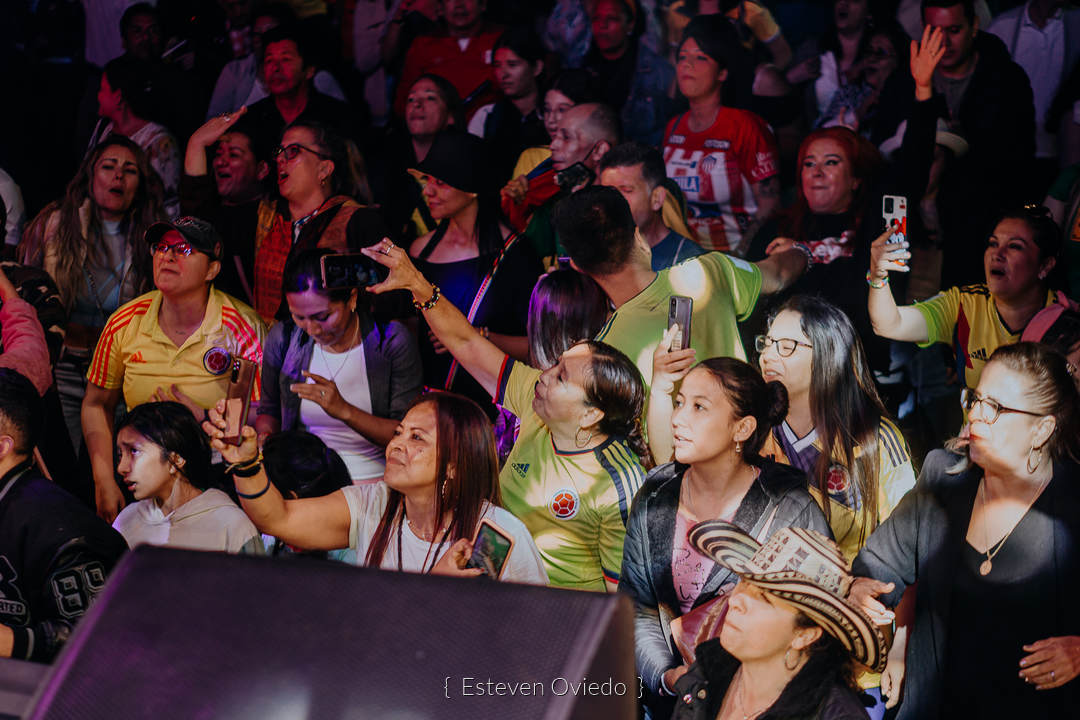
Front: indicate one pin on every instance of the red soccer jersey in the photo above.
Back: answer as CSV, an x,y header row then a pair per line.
x,y
467,70
716,168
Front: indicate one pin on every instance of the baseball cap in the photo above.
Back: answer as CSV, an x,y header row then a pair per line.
x,y
201,234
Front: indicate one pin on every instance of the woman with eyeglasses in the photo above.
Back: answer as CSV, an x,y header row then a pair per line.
x,y
176,342
1020,260
811,347
722,416
990,543
321,182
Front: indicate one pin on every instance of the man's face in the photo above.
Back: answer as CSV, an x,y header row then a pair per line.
x,y
570,144
142,37
284,68
631,183
236,170
959,34
463,14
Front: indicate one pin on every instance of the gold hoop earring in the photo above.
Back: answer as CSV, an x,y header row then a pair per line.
x,y
577,443
793,665
1038,459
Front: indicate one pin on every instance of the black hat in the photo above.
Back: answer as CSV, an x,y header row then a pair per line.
x,y
201,234
458,159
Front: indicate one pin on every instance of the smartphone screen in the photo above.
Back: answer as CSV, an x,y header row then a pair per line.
x,y
348,271
490,550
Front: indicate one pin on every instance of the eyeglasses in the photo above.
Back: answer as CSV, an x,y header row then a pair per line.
x,y
293,149
179,248
991,408
784,346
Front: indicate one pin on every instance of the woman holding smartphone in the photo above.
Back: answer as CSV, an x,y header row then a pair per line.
x,y
441,480
332,370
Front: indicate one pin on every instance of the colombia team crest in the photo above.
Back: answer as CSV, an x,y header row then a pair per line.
x,y
564,503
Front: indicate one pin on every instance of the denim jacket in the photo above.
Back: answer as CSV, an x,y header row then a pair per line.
x,y
649,105
391,356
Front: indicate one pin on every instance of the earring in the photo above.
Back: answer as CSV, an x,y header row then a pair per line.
x,y
787,665
1038,459
578,442
738,447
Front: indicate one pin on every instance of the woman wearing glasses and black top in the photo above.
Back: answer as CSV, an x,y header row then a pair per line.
x,y
320,179
990,543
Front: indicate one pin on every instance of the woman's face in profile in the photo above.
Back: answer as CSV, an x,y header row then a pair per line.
x,y
143,466
703,423
758,626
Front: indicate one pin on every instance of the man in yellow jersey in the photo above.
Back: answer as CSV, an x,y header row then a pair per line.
x,y
175,342
597,229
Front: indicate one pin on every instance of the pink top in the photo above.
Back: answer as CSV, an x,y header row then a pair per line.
x,y
689,568
23,338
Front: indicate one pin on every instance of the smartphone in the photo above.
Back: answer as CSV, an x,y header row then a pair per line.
x,y
894,213
491,547
238,398
576,174
680,308
349,271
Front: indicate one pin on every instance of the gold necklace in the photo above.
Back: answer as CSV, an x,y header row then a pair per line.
x,y
987,565
352,340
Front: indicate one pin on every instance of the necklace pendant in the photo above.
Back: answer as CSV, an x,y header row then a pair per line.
x,y
985,567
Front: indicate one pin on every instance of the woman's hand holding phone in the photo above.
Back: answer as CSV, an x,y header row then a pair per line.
x,y
886,257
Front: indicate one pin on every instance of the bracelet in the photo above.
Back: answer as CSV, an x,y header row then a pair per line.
x,y
435,295
805,250
245,466
876,284
255,496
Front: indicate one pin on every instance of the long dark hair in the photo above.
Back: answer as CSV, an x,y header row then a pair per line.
x,y
173,428
464,441
750,396
613,384
565,307
844,403
74,251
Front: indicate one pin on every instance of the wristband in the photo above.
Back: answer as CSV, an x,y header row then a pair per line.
x,y
876,284
435,295
805,250
245,466
254,496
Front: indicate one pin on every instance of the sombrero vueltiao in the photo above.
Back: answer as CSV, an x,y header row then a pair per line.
x,y
803,568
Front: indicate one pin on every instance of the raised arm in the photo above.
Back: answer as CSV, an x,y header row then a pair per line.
x,y
204,137
320,523
481,357
780,269
669,367
890,321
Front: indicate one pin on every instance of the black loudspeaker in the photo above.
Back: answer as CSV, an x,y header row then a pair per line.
x,y
181,634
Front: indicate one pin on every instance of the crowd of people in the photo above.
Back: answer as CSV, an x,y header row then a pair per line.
x,y
757,313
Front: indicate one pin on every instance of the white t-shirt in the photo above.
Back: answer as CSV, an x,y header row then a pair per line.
x,y
366,505
211,521
365,459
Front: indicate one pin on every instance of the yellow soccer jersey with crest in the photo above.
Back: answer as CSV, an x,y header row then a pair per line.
x,y
575,504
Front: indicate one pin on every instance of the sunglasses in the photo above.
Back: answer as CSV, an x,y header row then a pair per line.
x,y
784,346
179,248
293,149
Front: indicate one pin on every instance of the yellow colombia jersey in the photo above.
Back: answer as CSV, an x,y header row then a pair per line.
x,y
133,352
575,504
724,289
967,319
895,477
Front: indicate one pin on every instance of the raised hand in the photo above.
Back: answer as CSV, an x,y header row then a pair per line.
x,y
403,274
925,56
886,257
670,366
214,427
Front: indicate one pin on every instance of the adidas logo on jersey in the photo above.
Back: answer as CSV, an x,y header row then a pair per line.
x,y
520,468
137,357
